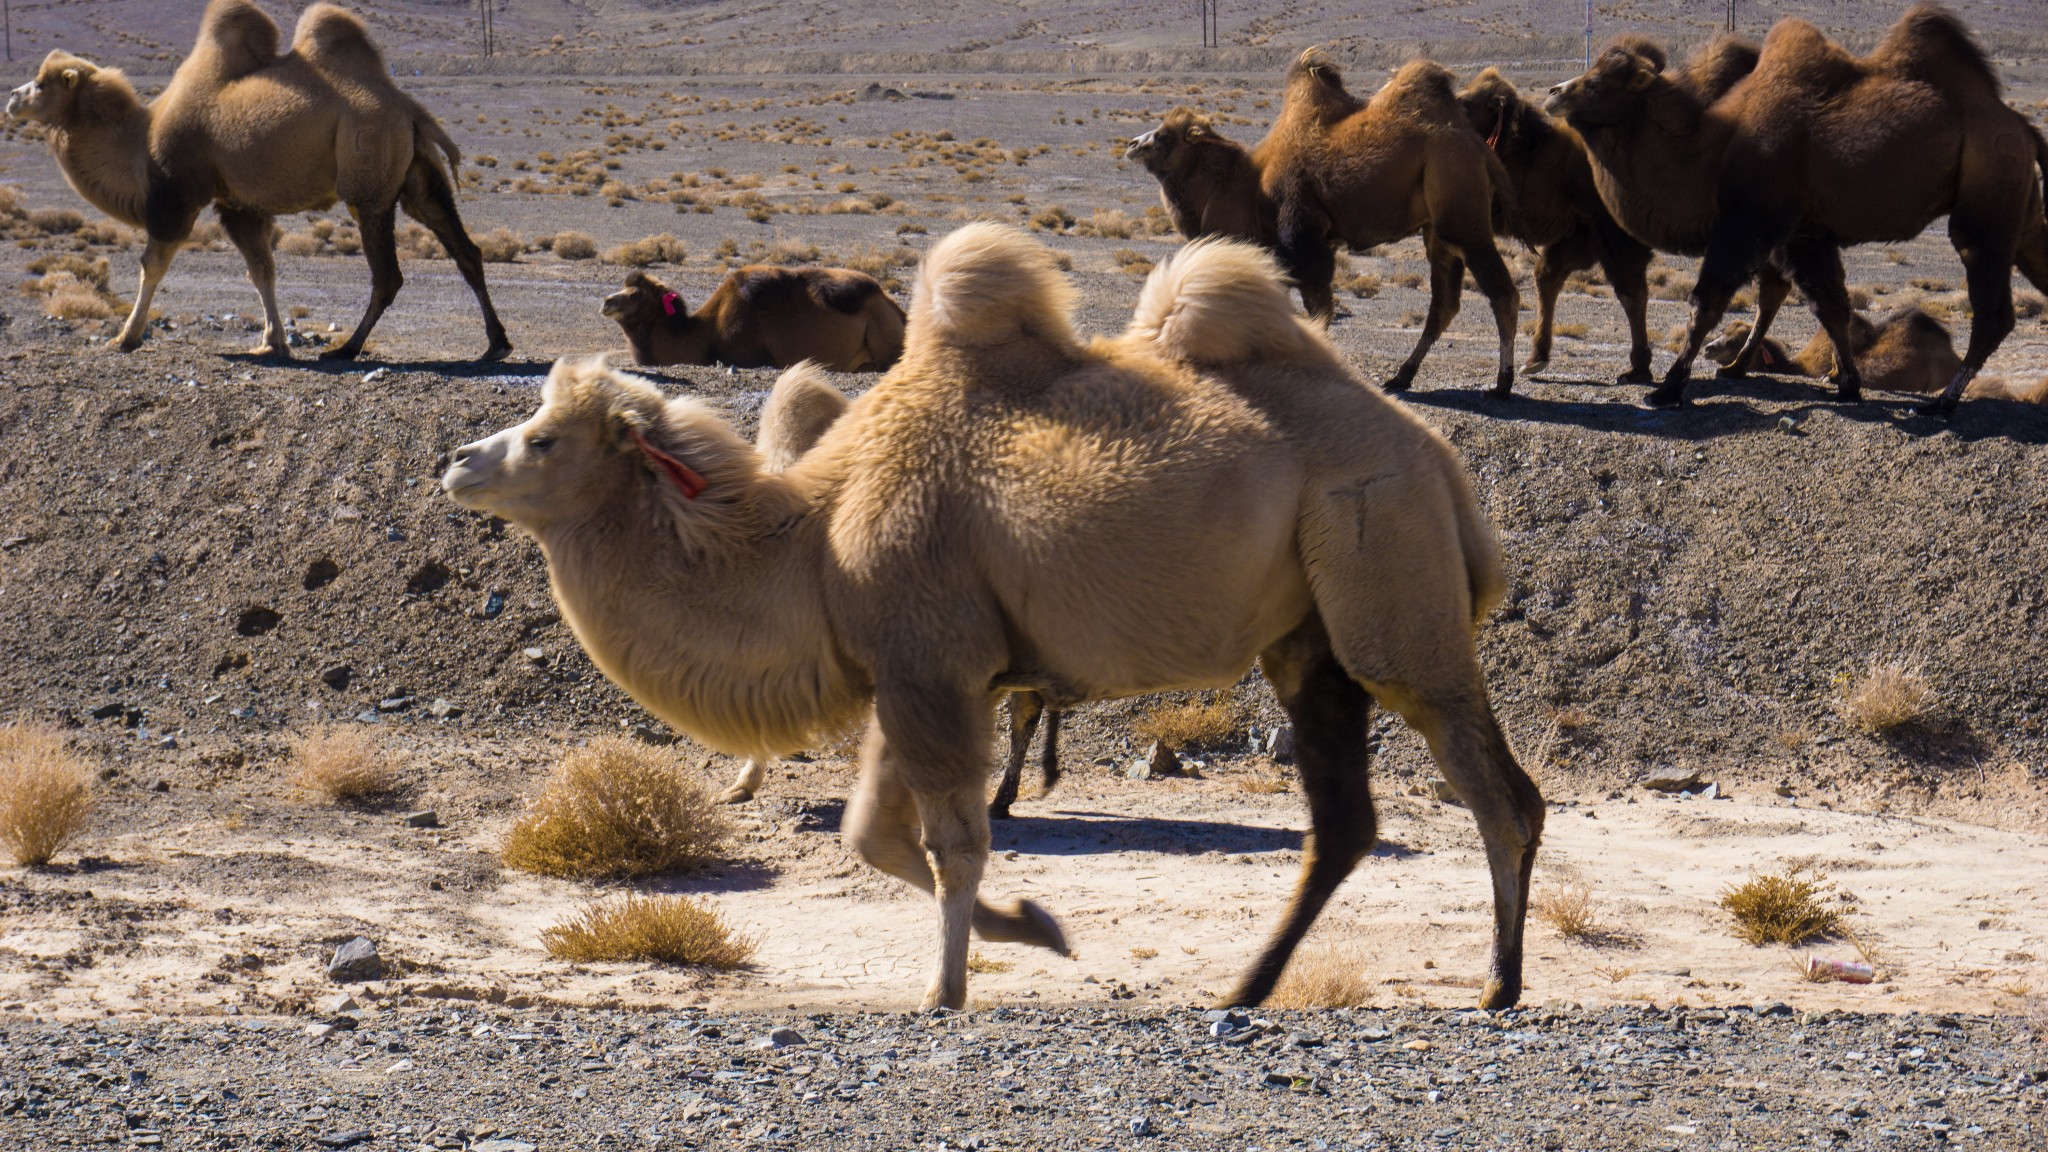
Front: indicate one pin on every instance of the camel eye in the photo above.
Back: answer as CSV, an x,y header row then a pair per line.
x,y
539,443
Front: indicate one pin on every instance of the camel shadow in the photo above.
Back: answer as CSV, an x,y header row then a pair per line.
x,y
731,876
1069,832
1972,420
536,370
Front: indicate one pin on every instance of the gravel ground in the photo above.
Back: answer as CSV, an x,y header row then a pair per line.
x,y
1557,1077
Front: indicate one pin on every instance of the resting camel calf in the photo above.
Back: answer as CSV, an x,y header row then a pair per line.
x,y
1369,172
762,316
1559,213
801,407
259,135
1815,150
1031,496
1907,351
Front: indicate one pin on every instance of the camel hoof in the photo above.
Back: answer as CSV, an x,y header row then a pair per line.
x,y
1534,366
344,352
129,343
1497,996
1849,393
1943,405
1731,372
999,811
1398,385
1503,387
1040,928
735,796
496,352
1636,376
1667,396
271,352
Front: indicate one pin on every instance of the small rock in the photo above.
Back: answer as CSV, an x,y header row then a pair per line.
x,y
338,1003
1775,1008
337,677
1671,780
402,1066
536,654
376,374
320,1031
168,742
494,604
108,711
160,786
343,1139
1141,1126
503,1146
443,710
394,704
1790,426
426,818
1280,745
355,962
785,1038
368,716
1158,761
1417,1045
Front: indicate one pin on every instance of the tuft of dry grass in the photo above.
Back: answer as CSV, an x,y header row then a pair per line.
x,y
1891,694
75,301
1364,286
574,245
500,246
1570,909
617,808
419,243
979,963
1205,721
1773,909
663,929
343,765
46,793
1324,975
662,249
301,244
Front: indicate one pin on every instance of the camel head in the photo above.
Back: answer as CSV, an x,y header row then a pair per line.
x,y
1492,106
1619,82
1158,149
643,302
53,94
1723,349
603,440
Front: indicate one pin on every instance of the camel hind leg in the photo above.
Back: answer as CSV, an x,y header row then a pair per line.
x,y
1491,273
1554,265
380,248
751,776
1446,285
1626,262
1817,268
1771,289
1987,271
428,199
1025,710
250,232
1332,716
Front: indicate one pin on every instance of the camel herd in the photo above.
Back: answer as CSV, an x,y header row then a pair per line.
x,y
1008,511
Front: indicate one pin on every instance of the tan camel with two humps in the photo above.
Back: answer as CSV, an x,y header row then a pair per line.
x,y
1011,508
258,135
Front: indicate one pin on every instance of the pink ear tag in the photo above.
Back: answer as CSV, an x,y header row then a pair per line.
x,y
668,302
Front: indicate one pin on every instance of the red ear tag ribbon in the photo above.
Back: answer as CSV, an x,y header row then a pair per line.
x,y
682,475
668,302
1500,121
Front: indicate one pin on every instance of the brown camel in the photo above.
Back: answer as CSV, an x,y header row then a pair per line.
x,y
1010,508
1208,182
1560,214
1816,150
801,407
762,316
1369,172
258,135
1906,351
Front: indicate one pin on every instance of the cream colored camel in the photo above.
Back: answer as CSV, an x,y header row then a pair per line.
x,y
258,135
1011,507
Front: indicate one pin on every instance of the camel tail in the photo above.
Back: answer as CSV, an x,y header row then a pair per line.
x,y
1221,301
433,142
1483,573
988,284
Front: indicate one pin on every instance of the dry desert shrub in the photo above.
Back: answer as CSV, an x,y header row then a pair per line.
x,y
1108,223
301,244
662,249
46,793
1133,262
664,929
1890,695
1364,286
979,963
343,765
574,245
75,301
500,246
1324,975
1206,721
785,250
1569,909
419,243
56,221
617,808
1052,218
1773,909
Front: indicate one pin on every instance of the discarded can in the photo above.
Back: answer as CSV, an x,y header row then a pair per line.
x,y
1847,971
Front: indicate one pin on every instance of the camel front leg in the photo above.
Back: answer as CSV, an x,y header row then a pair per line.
x,y
250,232
1771,289
156,260
752,775
1025,710
1733,256
1627,265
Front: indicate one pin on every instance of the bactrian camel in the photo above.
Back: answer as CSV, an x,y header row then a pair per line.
x,y
1905,351
762,316
1815,150
1013,507
259,135
800,408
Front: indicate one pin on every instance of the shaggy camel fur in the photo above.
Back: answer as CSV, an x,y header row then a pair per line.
x,y
1560,214
761,316
1009,508
801,407
1369,172
258,135
1208,182
1815,150
1907,351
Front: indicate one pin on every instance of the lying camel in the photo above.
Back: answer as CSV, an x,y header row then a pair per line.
x,y
1208,182
1907,351
1815,150
258,135
1010,507
1369,172
801,407
762,316
1560,214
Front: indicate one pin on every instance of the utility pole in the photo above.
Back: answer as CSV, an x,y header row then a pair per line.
x,y
1731,15
1589,35
489,27
1212,24
7,13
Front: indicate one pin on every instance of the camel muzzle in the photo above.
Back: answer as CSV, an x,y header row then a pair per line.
x,y
19,97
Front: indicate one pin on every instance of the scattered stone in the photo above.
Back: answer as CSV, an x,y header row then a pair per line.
x,y
1417,1045
425,818
338,1003
160,785
1671,780
108,711
443,710
337,677
536,654
784,1038
503,1146
1141,1126
355,962
168,742
1158,761
494,604
401,1066
376,374
320,1031
394,704
1280,745
350,1137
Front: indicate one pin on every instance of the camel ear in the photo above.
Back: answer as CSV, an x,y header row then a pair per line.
x,y
71,77
1642,78
1197,131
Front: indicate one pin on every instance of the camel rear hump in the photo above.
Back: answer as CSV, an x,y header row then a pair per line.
x,y
336,40
988,284
1220,301
1930,45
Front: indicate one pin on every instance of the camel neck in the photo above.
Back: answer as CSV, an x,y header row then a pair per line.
x,y
738,651
105,158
